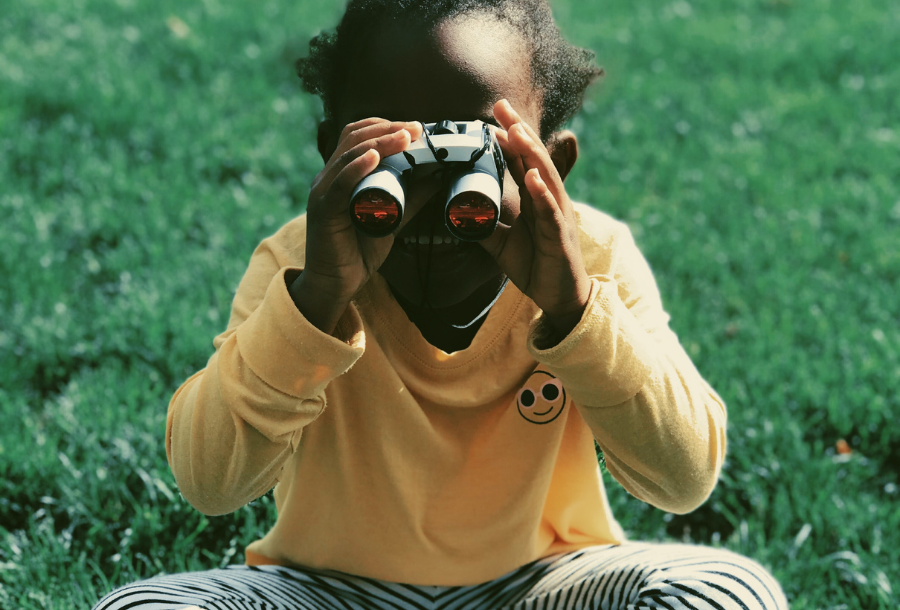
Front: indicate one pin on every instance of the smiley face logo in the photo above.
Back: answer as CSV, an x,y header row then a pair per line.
x,y
542,398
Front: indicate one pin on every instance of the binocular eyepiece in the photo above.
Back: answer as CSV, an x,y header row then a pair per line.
x,y
471,156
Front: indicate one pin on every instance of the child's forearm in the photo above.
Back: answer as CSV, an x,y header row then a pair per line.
x,y
232,426
660,425
224,452
665,445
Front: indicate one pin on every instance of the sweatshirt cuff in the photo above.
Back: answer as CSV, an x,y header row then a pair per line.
x,y
606,359
288,353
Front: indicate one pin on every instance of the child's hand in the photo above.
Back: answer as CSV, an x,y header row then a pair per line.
x,y
539,252
339,259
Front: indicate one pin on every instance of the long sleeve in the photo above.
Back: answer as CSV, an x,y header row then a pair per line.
x,y
232,425
659,424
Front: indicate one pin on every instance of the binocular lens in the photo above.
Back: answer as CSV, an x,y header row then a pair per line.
x,y
376,211
472,215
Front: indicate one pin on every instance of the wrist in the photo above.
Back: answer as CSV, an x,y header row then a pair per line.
x,y
330,287
562,325
558,324
321,302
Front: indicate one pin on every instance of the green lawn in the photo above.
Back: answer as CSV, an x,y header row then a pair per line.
x,y
147,147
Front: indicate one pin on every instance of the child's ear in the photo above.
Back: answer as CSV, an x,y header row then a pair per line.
x,y
326,139
563,149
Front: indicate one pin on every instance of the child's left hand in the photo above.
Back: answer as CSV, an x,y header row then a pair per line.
x,y
539,251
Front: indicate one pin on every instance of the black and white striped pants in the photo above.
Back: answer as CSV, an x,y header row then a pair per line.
x,y
631,576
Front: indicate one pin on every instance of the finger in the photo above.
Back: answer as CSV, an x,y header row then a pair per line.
x,y
356,125
520,132
370,129
513,160
551,225
527,143
385,145
526,206
512,247
543,204
506,239
338,200
507,116
535,155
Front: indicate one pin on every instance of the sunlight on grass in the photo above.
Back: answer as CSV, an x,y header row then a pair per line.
x,y
146,148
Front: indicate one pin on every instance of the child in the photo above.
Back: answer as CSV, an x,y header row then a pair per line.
x,y
411,439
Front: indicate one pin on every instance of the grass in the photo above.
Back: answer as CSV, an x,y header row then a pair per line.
x,y
146,148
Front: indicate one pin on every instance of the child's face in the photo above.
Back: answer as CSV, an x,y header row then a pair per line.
x,y
457,72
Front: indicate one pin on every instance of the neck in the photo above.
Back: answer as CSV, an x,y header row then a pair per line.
x,y
439,324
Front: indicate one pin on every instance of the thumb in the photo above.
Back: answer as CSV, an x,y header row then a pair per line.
x,y
511,247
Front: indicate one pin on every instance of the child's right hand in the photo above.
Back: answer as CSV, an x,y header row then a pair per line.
x,y
339,259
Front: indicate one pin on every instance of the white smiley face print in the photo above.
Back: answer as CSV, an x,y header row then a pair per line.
x,y
542,398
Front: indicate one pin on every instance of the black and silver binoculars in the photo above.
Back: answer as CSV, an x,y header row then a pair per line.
x,y
470,154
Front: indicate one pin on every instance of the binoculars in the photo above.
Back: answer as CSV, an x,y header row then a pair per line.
x,y
474,167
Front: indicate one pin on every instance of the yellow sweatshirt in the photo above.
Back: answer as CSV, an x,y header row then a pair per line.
x,y
395,460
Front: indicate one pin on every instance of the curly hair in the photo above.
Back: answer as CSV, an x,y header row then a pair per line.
x,y
561,71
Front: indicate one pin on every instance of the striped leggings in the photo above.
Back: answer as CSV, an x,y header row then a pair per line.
x,y
630,576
